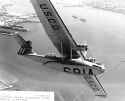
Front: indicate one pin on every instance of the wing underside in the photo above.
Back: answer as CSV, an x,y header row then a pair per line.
x,y
95,85
55,28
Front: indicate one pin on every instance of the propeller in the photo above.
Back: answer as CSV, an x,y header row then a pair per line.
x,y
117,65
114,67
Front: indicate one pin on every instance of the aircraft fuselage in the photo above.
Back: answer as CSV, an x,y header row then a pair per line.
x,y
74,66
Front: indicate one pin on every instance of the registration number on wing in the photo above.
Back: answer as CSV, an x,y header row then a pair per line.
x,y
76,70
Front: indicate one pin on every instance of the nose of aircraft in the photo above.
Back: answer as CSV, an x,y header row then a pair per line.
x,y
103,68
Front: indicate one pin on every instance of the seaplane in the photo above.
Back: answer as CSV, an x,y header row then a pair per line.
x,y
72,58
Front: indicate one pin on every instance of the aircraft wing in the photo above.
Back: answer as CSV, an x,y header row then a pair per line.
x,y
55,28
95,85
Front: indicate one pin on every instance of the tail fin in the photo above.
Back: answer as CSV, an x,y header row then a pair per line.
x,y
15,35
19,39
26,47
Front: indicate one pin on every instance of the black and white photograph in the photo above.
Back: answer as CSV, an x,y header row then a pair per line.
x,y
73,48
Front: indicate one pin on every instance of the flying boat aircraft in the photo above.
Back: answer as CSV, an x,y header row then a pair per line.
x,y
73,59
